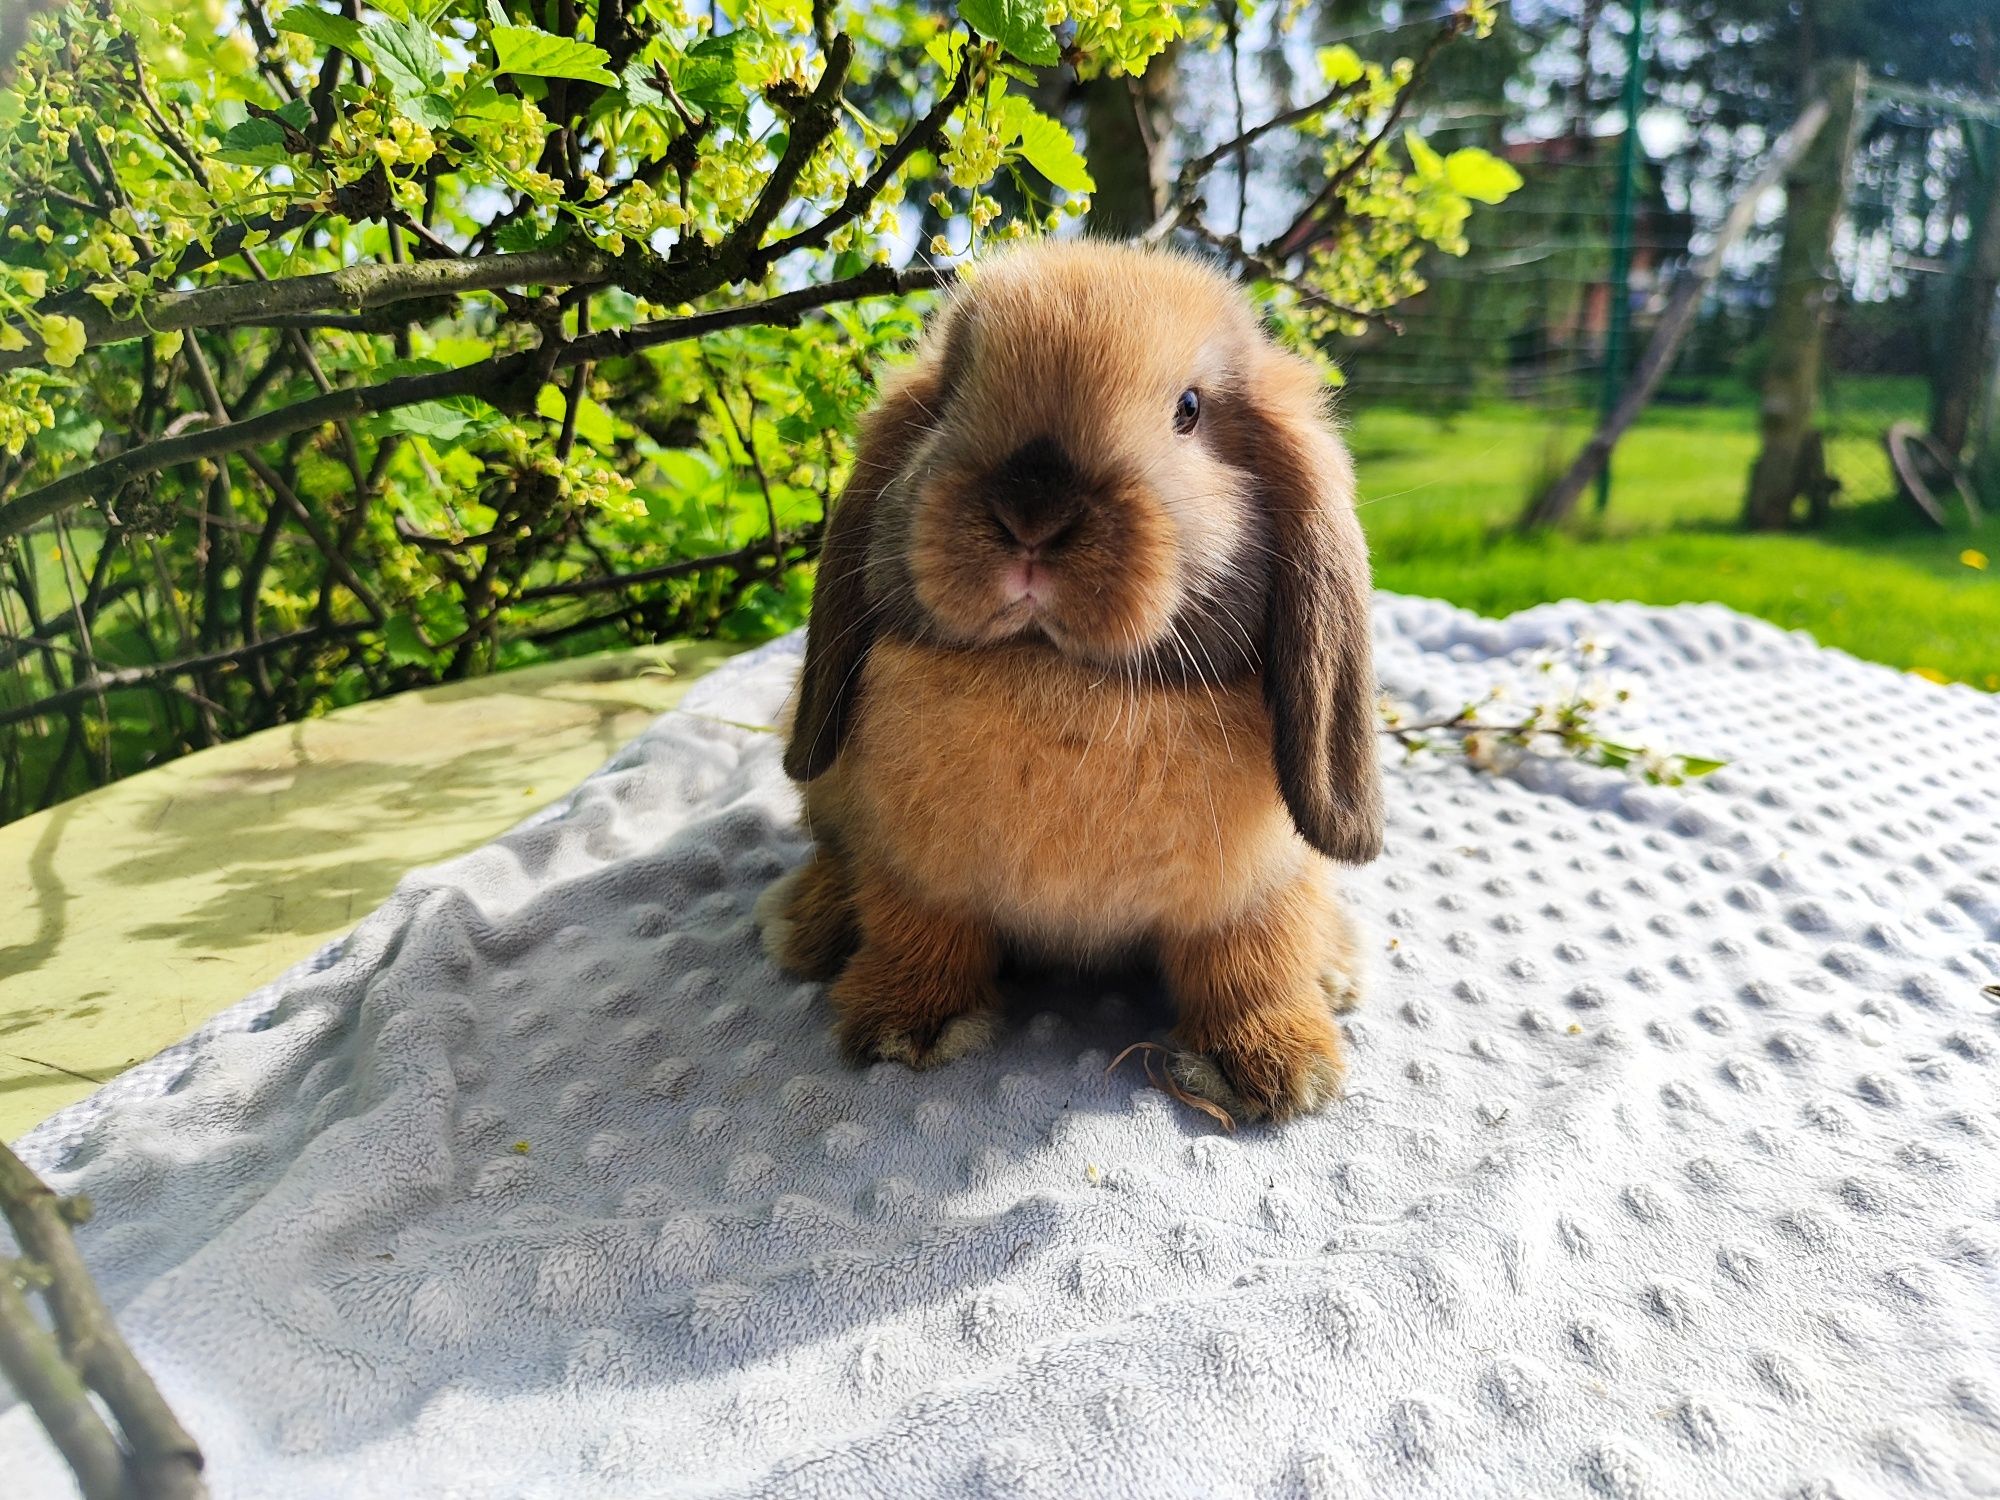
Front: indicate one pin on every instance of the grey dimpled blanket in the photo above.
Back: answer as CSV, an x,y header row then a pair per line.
x,y
1670,1164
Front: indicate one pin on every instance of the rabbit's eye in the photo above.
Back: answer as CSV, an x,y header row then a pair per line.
x,y
1187,411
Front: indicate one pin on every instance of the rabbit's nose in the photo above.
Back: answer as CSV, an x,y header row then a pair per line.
x,y
1036,494
1037,531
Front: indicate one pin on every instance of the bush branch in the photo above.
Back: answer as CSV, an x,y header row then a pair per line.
x,y
507,381
131,679
128,679
33,1364
165,1464
354,289
813,119
1299,232
745,556
862,194
1188,179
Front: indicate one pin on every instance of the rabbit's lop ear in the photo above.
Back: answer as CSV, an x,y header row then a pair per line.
x,y
842,627
1319,665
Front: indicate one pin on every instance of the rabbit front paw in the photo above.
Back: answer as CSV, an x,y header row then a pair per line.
x,y
877,1035
1341,985
920,989
1262,1078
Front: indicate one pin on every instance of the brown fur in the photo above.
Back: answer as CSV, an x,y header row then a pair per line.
x,y
1080,684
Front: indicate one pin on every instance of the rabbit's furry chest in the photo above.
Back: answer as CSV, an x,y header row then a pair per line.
x,y
1078,811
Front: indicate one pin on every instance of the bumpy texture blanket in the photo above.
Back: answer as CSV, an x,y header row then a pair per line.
x,y
1670,1164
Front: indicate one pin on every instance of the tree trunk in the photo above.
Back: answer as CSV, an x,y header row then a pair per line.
x,y
1554,504
1961,367
1126,123
1815,192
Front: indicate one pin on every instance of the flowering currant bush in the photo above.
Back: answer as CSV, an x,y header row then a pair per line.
x,y
348,346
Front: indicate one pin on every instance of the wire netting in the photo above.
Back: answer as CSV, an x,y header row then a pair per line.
x,y
1525,317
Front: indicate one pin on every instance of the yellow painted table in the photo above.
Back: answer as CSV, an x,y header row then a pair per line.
x,y
131,915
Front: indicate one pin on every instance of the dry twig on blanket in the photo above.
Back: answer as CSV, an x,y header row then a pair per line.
x,y
151,1457
1162,1079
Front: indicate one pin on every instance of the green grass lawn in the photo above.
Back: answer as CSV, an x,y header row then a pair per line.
x,y
1439,498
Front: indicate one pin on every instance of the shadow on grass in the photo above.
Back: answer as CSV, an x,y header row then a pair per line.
x,y
300,848
51,902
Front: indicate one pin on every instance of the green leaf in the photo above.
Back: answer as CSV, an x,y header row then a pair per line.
x,y
1429,165
254,143
594,425
542,54
526,234
710,77
825,409
482,101
1051,150
433,111
1341,64
688,478
942,50
1701,765
1616,756
637,81
593,422
296,113
1480,175
727,45
73,435
457,349
326,28
407,57
443,616
1019,26
446,421
406,643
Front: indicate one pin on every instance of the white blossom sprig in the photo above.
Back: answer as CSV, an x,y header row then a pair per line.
x,y
1564,717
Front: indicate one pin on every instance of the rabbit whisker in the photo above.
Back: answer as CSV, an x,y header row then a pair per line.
x,y
1129,698
1242,629
859,621
1194,671
1207,793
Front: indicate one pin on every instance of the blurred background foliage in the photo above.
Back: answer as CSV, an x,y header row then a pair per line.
x,y
555,415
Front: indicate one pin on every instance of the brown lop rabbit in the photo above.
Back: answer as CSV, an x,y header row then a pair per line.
x,y
1089,675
